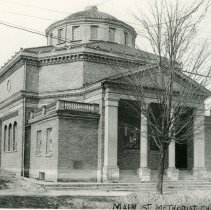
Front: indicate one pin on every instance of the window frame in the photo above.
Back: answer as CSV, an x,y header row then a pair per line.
x,y
51,39
14,133
60,37
48,141
78,37
96,36
5,137
111,38
39,146
9,139
126,38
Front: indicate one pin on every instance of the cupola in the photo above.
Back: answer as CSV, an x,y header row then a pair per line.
x,y
90,25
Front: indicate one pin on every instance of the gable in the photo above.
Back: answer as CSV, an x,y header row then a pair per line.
x,y
149,77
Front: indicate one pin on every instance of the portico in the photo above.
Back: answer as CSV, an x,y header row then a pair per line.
x,y
120,154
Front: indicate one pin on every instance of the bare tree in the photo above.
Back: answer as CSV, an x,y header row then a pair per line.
x,y
172,75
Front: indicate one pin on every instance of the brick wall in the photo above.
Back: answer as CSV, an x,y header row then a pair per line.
x,y
12,160
208,143
32,78
16,83
44,163
61,77
97,71
78,148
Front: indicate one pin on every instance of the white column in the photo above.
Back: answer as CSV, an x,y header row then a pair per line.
x,y
199,170
172,172
110,169
144,171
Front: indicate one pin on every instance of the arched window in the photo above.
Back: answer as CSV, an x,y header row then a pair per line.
x,y
9,137
14,136
5,138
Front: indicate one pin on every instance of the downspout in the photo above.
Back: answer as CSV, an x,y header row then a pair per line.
x,y
102,130
23,122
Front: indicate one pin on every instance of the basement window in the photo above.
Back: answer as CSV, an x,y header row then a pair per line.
x,y
41,176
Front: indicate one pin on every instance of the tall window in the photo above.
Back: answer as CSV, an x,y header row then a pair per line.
x,y
60,35
76,33
125,38
5,138
9,137
49,141
112,34
14,136
38,143
51,39
94,33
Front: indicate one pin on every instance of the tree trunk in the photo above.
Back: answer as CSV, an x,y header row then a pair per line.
x,y
161,170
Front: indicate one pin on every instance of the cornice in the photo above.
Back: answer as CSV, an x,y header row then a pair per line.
x,y
66,56
30,57
13,65
89,57
17,96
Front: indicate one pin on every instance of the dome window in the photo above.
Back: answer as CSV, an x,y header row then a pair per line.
x,y
60,35
76,33
51,39
112,34
126,38
94,32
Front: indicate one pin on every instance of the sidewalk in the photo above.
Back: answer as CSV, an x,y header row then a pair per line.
x,y
94,193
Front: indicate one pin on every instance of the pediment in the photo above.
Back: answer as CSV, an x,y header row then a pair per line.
x,y
150,77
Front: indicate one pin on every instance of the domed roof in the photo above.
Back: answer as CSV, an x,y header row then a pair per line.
x,y
90,12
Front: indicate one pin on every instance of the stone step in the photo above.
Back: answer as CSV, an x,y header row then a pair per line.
x,y
145,186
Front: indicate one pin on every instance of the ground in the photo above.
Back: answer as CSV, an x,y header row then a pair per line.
x,y
19,192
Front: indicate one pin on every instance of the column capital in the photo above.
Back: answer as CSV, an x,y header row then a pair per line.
x,y
199,112
111,100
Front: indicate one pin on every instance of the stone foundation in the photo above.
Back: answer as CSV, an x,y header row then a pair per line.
x,y
144,174
172,174
110,174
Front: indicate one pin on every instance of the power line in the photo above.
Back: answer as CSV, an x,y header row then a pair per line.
x,y
15,13
28,5
29,30
69,41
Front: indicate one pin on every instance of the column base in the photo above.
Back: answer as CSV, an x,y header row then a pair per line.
x,y
200,173
111,174
144,174
173,174
99,175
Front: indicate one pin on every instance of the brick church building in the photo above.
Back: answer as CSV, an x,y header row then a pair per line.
x,y
63,114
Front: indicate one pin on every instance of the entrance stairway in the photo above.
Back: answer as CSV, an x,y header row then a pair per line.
x,y
169,186
128,176
129,182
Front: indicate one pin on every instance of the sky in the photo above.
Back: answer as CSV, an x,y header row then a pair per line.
x,y
19,12
39,14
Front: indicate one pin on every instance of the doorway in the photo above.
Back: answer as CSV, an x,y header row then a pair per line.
x,y
181,159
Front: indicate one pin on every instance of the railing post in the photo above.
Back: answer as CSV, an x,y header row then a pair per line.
x,y
60,105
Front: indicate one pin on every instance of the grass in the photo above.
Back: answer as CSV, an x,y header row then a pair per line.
x,y
58,202
181,200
